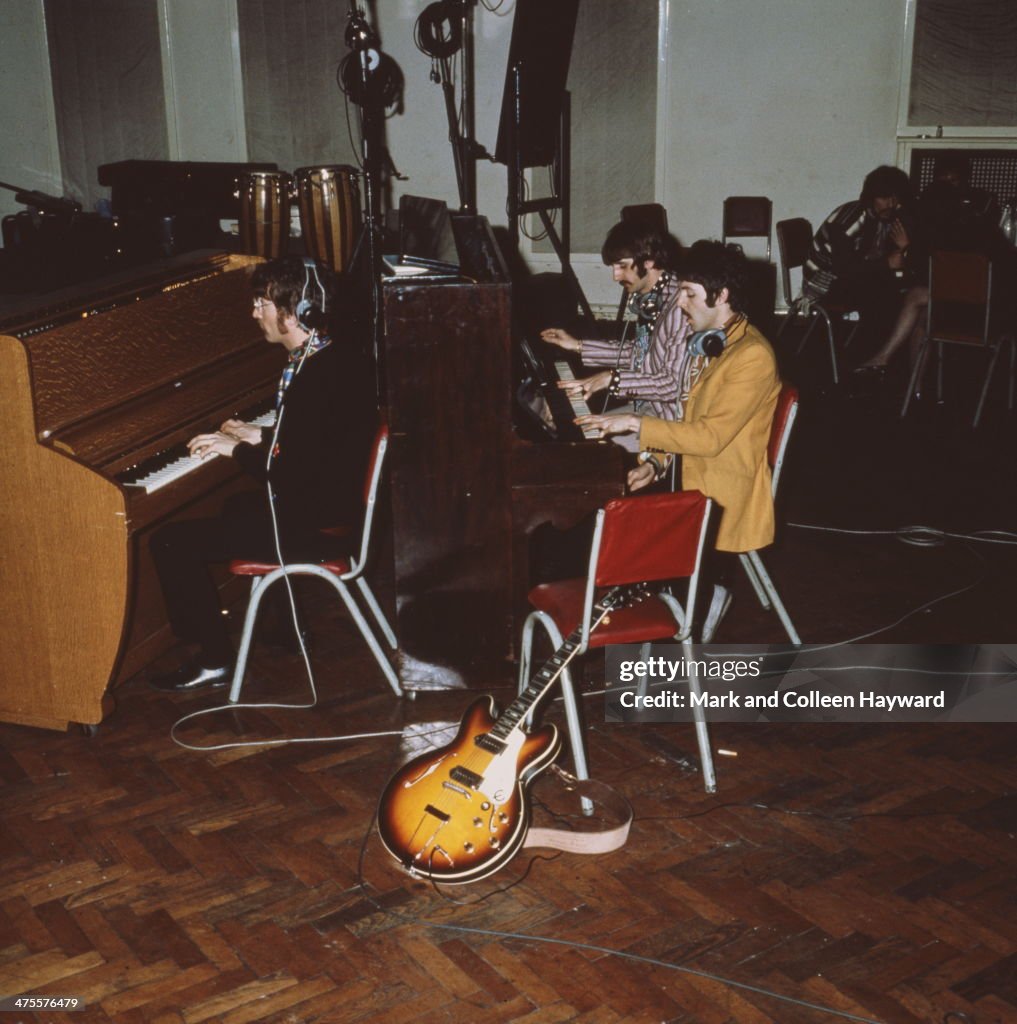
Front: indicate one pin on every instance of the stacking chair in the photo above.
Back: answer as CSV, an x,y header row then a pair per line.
x,y
780,433
748,217
959,312
339,572
794,239
654,538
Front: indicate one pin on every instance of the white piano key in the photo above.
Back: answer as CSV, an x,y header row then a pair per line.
x,y
579,406
178,468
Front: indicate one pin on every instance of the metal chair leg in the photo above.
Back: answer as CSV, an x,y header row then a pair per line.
x,y
366,632
379,616
643,686
985,387
257,591
754,580
573,718
771,590
916,375
699,716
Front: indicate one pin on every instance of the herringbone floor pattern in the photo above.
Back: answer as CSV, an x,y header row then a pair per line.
x,y
162,885
867,870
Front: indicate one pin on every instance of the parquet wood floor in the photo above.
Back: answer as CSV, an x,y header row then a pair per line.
x,y
159,884
864,870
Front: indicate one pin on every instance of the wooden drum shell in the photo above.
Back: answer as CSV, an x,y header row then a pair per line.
x,y
329,201
265,213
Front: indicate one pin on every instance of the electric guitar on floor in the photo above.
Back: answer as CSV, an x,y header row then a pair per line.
x,y
458,813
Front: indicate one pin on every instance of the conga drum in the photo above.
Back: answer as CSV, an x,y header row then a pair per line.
x,y
265,213
329,201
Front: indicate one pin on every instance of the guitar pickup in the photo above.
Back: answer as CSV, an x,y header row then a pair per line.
x,y
465,777
489,743
440,815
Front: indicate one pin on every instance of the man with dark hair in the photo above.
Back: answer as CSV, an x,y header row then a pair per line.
x,y
859,257
860,247
952,215
723,435
311,466
650,368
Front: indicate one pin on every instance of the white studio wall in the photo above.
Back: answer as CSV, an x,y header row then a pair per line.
x,y
795,99
30,155
201,73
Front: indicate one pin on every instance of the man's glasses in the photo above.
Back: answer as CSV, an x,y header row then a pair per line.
x,y
260,304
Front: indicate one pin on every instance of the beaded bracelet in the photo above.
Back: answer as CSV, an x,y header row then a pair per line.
x,y
661,463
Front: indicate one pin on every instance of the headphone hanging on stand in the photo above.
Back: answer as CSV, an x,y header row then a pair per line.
x,y
310,311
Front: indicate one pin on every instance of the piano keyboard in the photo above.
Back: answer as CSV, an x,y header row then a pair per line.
x,y
173,463
579,406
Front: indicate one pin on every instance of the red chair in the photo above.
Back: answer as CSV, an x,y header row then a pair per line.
x,y
654,538
780,433
339,572
960,312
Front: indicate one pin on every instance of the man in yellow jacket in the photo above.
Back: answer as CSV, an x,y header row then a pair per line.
x,y
722,432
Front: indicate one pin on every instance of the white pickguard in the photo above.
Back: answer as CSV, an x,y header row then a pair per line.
x,y
500,778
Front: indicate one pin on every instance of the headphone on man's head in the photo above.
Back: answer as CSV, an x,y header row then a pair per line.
x,y
310,312
712,342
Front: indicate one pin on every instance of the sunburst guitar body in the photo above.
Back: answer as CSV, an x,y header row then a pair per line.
x,y
458,813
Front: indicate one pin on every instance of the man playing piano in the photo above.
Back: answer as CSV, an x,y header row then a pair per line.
x,y
726,426
651,368
311,467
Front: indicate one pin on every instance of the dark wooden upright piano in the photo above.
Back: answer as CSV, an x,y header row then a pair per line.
x,y
467,491
94,386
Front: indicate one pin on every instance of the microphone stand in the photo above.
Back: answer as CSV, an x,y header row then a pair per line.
x,y
363,41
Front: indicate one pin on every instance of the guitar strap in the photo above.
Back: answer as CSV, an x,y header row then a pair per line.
x,y
604,840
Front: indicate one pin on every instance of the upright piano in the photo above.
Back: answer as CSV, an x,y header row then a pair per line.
x,y
467,490
99,392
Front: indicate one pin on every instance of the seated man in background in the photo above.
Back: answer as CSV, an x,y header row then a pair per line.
x,y
652,368
312,468
952,215
725,430
859,256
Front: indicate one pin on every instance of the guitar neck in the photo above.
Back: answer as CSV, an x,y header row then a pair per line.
x,y
510,718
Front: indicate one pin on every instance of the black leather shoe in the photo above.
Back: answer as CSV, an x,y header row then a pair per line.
x,y
192,676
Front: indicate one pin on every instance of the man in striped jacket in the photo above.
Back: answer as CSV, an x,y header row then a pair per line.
x,y
860,251
650,367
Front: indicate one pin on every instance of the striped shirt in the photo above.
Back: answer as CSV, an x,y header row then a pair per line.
x,y
851,236
655,382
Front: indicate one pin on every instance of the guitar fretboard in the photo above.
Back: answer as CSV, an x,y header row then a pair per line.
x,y
555,665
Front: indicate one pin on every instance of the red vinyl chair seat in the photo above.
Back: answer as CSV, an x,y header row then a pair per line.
x,y
651,619
247,567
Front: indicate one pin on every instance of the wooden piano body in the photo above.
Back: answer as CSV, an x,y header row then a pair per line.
x,y
90,386
466,491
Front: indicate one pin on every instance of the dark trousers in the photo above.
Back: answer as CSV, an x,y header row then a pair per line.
x,y
184,550
875,293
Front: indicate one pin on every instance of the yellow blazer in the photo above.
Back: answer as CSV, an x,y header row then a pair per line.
x,y
723,437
